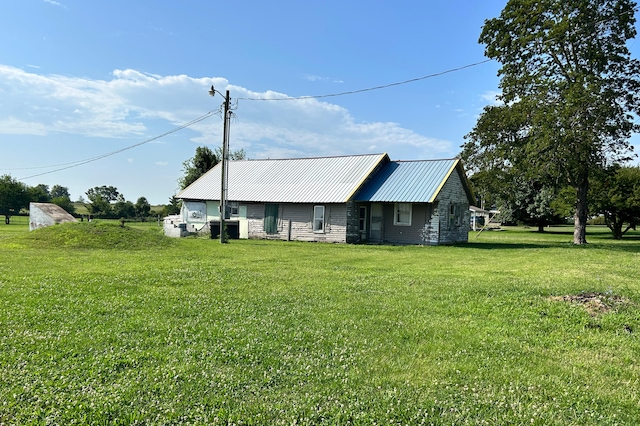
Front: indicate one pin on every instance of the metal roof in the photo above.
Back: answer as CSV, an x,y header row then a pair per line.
x,y
408,181
296,180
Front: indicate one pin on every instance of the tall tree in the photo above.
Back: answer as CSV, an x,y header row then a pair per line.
x,y
142,208
100,198
39,193
123,208
65,203
568,84
59,191
14,195
532,204
239,154
173,207
203,161
61,197
617,196
108,193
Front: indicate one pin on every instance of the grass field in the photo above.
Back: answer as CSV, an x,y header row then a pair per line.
x,y
107,325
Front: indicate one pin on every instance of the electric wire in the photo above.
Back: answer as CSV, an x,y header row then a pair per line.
x,y
65,166
369,89
109,154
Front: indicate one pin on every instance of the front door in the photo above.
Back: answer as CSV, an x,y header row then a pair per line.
x,y
375,230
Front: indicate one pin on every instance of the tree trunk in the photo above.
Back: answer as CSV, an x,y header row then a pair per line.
x,y
540,227
6,219
580,217
617,231
614,224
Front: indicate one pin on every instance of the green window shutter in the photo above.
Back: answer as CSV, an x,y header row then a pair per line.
x,y
271,218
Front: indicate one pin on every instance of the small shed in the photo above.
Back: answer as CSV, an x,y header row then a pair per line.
x,y
481,219
47,214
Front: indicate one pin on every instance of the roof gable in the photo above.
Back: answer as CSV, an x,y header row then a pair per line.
x,y
297,180
412,181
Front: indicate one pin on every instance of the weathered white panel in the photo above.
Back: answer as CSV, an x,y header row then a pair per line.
x,y
47,214
213,210
244,229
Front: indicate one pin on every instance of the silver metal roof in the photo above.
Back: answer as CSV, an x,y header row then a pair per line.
x,y
408,181
296,180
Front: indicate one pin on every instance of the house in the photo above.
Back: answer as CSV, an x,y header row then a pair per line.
x,y
347,199
47,214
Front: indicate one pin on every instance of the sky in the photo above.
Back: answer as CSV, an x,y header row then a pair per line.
x,y
97,93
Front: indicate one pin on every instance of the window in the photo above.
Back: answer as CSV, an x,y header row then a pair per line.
x,y
318,219
362,220
271,218
455,215
233,208
402,214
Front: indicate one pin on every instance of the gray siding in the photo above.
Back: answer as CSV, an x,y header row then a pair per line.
x,y
419,232
295,222
353,215
453,193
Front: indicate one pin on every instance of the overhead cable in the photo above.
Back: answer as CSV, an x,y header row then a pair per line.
x,y
109,154
384,86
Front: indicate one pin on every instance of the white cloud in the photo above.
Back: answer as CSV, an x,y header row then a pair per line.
x,y
14,126
162,163
312,77
491,97
55,3
130,103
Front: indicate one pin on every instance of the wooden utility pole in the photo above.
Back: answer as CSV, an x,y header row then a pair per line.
x,y
225,162
225,169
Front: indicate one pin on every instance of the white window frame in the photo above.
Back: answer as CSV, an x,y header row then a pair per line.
x,y
319,219
396,212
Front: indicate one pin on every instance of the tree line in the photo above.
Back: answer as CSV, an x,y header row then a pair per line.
x,y
106,201
614,199
15,196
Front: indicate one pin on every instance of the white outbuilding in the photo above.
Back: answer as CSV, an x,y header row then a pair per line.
x,y
47,214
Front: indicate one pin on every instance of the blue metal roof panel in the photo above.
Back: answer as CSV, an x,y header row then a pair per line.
x,y
407,181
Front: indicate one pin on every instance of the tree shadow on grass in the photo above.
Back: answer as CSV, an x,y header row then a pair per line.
x,y
513,245
599,238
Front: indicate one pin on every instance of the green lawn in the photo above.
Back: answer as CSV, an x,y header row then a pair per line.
x,y
107,325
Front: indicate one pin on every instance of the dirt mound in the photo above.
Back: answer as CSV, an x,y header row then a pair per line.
x,y
594,303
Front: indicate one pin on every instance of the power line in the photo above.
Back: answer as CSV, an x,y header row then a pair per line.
x,y
208,114
65,166
109,154
384,86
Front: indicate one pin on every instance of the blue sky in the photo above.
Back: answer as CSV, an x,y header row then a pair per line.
x,y
82,79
